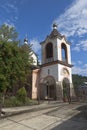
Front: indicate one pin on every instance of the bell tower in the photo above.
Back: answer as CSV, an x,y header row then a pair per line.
x,y
56,63
55,48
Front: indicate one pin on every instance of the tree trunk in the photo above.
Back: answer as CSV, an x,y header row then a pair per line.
x,y
0,110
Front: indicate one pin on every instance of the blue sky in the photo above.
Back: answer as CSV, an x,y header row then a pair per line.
x,y
35,18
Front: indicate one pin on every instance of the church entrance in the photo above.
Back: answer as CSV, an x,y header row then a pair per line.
x,y
66,90
49,92
48,89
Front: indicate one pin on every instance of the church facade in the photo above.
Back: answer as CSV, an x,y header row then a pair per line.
x,y
54,78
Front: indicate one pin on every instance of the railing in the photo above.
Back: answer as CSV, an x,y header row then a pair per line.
x,y
49,60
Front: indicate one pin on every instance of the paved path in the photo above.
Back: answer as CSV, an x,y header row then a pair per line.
x,y
60,117
42,105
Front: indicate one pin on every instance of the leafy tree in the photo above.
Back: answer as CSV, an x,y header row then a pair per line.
x,y
28,83
77,81
8,33
15,62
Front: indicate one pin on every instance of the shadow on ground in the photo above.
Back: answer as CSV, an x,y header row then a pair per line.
x,y
76,122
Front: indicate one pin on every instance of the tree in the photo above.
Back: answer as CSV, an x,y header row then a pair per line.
x,y
27,54
8,33
77,81
15,62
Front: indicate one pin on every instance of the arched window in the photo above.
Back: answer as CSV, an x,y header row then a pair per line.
x,y
49,50
64,52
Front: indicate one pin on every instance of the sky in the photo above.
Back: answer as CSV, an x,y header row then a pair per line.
x,y
35,18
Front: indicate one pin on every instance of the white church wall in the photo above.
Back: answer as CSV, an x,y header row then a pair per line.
x,y
55,50
34,57
62,75
43,54
53,71
69,54
59,49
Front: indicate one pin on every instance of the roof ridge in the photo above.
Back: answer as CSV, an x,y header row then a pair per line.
x,y
55,33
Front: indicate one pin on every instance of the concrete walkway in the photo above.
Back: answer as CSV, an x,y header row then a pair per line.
x,y
52,116
18,110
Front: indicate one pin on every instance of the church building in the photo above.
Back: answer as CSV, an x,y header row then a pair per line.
x,y
53,79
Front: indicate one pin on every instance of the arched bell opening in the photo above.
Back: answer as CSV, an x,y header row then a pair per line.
x,y
64,53
49,52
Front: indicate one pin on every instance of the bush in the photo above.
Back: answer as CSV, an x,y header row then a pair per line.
x,y
12,102
31,102
20,99
21,95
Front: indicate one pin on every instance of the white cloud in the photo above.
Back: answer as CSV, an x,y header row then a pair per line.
x,y
79,62
35,45
9,9
85,65
82,45
73,63
74,20
76,48
12,6
10,25
79,70
76,70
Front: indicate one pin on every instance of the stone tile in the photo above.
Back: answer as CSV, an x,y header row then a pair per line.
x,y
4,122
40,122
15,126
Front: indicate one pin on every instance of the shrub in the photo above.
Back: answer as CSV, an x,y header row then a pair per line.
x,y
21,95
12,102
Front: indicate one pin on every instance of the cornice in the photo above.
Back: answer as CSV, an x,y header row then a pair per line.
x,y
57,62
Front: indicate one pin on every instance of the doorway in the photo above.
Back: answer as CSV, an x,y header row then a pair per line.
x,y
49,88
66,89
